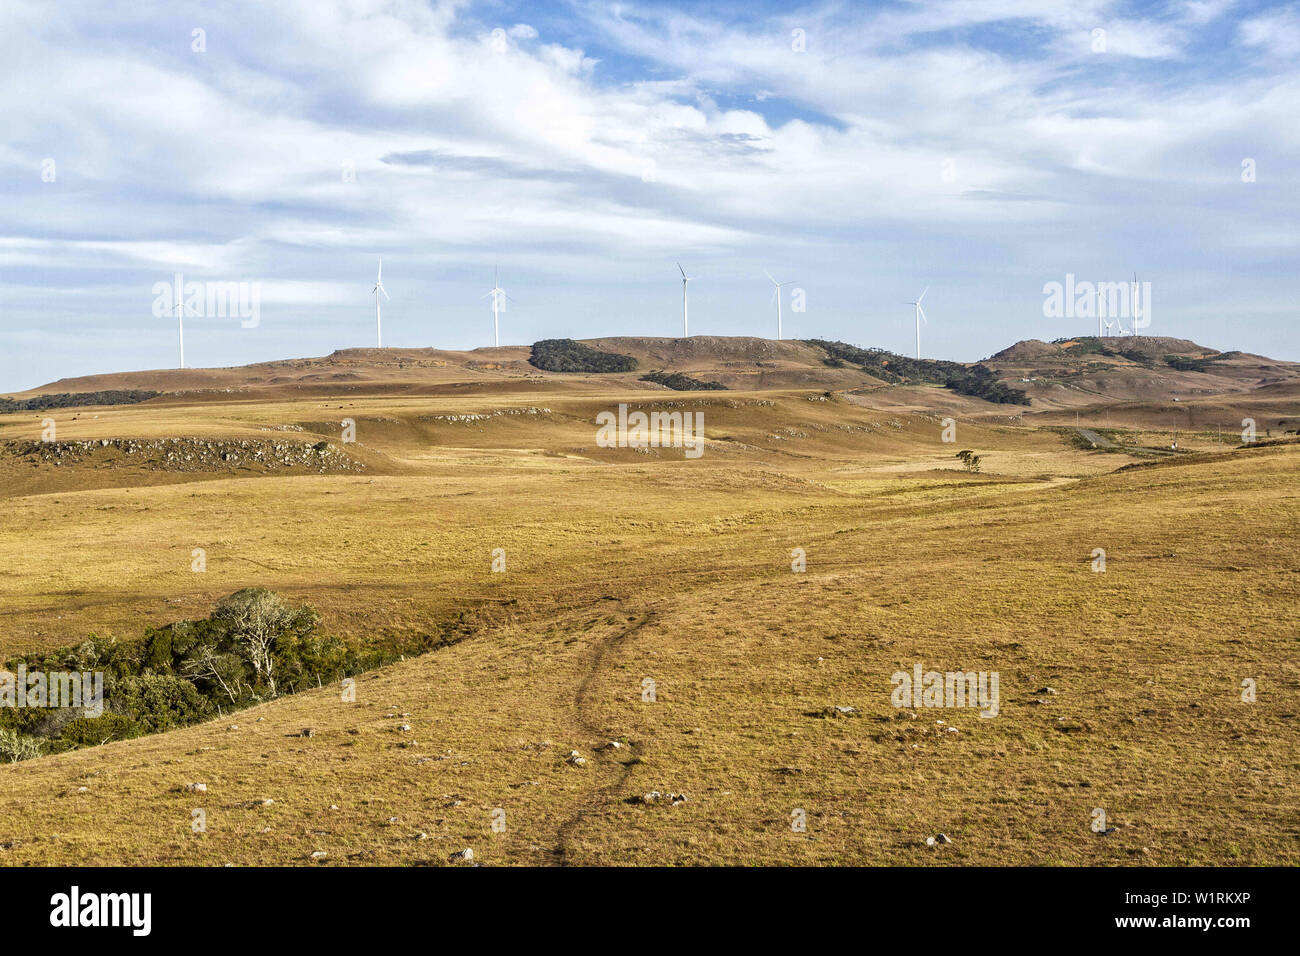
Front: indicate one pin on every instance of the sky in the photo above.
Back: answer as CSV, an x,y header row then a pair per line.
x,y
863,152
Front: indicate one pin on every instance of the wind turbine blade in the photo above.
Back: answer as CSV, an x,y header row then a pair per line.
x,y
681,270
769,275
922,295
921,311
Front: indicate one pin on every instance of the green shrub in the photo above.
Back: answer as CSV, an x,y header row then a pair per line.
x,y
92,731
160,702
15,746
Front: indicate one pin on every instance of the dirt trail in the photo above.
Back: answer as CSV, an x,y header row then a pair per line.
x,y
585,706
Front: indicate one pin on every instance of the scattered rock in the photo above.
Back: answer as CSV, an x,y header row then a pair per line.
x,y
318,854
940,839
576,759
197,787
307,732
462,856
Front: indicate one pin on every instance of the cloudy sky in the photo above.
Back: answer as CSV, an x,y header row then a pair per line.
x,y
866,151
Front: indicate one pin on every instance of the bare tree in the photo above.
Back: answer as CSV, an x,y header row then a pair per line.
x,y
213,665
257,617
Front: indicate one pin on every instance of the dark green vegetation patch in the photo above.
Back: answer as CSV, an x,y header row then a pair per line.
x,y
1184,364
112,396
680,382
977,380
566,355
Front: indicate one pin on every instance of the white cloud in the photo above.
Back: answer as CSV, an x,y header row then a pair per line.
x,y
319,129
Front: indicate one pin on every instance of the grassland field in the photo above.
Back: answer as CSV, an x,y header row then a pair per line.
x,y
623,567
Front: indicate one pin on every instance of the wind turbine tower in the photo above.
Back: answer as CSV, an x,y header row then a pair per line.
x,y
776,294
920,317
498,306
685,279
379,287
180,325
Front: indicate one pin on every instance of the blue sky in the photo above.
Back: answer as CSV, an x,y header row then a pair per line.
x,y
982,148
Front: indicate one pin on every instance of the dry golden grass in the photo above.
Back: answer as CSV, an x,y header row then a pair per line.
x,y
623,567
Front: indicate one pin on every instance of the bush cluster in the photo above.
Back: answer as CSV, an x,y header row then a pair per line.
x,y
566,355
252,648
680,382
112,396
978,380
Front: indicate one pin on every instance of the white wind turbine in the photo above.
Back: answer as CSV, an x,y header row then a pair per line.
x,y
1133,303
685,280
776,294
1099,321
379,287
920,317
180,325
498,306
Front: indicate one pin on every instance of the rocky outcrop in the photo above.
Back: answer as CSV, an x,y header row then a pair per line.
x,y
186,454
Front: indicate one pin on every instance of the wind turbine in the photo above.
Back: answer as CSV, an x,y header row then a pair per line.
x,y
1109,326
1133,303
685,279
498,306
1099,323
776,294
379,287
920,317
180,325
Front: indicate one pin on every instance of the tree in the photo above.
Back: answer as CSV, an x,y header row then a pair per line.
x,y
208,663
258,620
971,460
